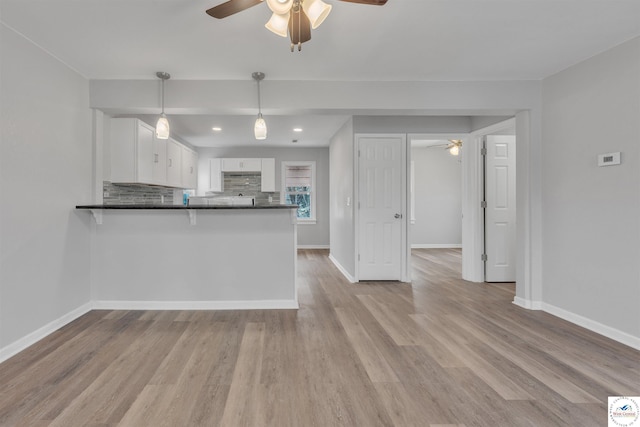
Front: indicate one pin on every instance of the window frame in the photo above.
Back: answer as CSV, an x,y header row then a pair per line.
x,y
312,196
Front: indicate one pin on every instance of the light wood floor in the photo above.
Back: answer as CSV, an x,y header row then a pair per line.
x,y
440,351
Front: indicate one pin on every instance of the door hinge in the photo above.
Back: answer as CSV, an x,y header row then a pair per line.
x,y
358,205
483,204
483,151
358,257
358,153
484,257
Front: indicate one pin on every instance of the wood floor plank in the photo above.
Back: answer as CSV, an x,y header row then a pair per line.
x,y
435,352
243,394
374,362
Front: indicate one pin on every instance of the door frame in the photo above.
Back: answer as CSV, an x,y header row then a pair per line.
x,y
473,244
404,257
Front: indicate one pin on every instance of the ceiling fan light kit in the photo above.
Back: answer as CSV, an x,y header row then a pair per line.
x,y
162,126
295,18
260,127
278,24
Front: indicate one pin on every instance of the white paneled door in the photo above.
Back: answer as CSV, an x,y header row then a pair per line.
x,y
380,220
500,213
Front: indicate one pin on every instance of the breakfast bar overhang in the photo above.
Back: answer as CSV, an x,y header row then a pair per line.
x,y
204,257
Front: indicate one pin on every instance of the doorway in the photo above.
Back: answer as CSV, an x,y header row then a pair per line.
x,y
381,206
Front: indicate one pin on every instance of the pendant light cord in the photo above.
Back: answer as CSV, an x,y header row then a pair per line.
x,y
259,104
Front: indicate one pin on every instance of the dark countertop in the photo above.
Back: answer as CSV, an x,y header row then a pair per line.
x,y
182,207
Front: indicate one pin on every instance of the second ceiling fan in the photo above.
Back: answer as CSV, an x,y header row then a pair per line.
x,y
295,18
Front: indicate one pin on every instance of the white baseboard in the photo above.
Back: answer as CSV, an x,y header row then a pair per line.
x,y
344,272
592,325
528,304
32,338
35,336
197,305
313,246
436,246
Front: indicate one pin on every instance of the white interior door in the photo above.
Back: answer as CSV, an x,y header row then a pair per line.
x,y
381,214
500,212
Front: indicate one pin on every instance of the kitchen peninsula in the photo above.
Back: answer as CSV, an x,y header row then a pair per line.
x,y
193,257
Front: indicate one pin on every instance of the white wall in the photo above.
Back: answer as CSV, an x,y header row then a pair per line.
x,y
341,205
437,198
315,235
591,215
45,170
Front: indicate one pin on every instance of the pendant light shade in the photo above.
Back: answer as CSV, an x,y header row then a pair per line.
x,y
260,127
162,126
278,24
317,11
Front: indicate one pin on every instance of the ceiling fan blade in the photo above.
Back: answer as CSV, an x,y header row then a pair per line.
x,y
230,7
299,26
371,2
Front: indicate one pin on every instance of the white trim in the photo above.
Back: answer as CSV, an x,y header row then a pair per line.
x,y
342,270
528,304
197,305
35,336
436,246
592,325
313,246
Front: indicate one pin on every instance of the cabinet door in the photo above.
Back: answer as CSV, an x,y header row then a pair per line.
x,y
189,168
268,176
159,161
231,165
251,165
215,175
174,163
144,154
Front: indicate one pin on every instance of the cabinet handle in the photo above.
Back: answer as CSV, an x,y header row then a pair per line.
x,y
155,158
170,162
191,169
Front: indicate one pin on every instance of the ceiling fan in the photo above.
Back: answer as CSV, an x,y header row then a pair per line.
x,y
453,146
295,18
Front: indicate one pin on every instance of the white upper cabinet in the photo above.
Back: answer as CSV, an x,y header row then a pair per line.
x,y
174,163
241,165
132,152
268,176
215,176
138,157
189,168
159,168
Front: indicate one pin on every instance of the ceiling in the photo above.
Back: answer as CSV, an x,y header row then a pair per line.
x,y
405,40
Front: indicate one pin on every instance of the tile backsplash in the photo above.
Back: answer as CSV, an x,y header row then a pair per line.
x,y
129,194
247,184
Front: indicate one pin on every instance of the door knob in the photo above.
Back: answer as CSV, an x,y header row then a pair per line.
x,y
397,216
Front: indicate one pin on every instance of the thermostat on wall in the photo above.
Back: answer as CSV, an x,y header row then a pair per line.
x,y
609,159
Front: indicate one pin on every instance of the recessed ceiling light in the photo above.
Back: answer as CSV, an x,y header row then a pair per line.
x,y
216,128
297,129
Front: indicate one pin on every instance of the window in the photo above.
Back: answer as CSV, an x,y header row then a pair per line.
x,y
299,188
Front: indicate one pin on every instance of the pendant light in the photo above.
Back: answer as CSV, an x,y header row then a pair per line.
x,y
162,126
260,128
